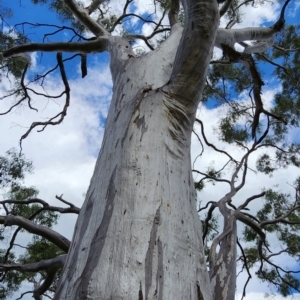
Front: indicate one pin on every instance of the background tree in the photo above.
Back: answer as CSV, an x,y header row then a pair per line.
x,y
41,259
138,234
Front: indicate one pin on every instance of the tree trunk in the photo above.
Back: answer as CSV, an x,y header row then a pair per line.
x,y
138,235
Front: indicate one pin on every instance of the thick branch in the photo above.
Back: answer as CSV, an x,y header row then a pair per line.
x,y
230,37
194,51
72,209
225,7
94,5
41,289
173,12
97,45
266,36
57,262
51,235
82,15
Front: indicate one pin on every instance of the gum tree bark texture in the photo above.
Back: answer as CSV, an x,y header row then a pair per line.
x,y
138,235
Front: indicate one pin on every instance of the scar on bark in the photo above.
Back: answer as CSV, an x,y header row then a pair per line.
x,y
247,59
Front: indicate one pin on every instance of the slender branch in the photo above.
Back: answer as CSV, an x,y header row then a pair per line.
x,y
141,37
23,98
250,199
118,21
286,50
209,144
63,113
211,177
66,202
146,38
275,64
208,218
247,268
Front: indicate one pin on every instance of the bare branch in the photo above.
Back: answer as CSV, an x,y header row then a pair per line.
x,y
208,218
247,268
209,144
225,7
118,21
57,262
286,50
275,64
41,289
23,98
211,177
66,202
94,5
173,12
46,206
248,60
244,205
82,15
83,65
63,113
247,221
93,46
51,235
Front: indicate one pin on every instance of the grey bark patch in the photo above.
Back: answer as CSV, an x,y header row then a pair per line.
x,y
98,240
149,254
87,216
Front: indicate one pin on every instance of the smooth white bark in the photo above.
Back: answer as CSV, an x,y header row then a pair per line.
x,y
138,235
231,36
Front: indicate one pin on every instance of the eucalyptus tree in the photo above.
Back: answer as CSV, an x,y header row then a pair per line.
x,y
138,234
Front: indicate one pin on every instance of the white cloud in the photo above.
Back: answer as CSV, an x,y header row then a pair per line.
x,y
255,15
63,155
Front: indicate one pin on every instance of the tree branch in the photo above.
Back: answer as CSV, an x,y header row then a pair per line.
x,y
60,115
82,15
72,209
98,45
51,235
173,12
93,6
57,262
194,52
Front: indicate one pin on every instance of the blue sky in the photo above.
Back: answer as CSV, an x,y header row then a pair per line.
x,y
64,156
